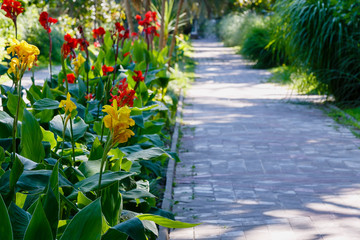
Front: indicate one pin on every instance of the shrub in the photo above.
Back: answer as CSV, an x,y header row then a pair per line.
x,y
260,46
39,37
323,36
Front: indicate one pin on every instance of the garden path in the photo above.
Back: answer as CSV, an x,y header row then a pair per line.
x,y
255,165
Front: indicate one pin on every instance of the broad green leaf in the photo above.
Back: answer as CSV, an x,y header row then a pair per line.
x,y
46,104
12,105
5,226
35,92
54,181
28,164
51,209
108,42
108,178
16,171
31,137
96,151
136,194
20,220
90,168
147,154
86,225
79,127
39,227
6,125
35,181
48,136
132,228
3,69
165,222
111,203
82,200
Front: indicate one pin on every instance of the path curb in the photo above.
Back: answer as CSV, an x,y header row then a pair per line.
x,y
349,117
170,173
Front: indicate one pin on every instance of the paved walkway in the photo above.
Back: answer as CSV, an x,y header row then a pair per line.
x,y
257,167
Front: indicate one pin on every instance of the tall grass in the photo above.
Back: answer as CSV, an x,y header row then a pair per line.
x,y
323,37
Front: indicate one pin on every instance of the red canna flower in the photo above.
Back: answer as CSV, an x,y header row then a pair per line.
x,y
68,48
46,21
89,96
124,95
126,54
107,69
92,68
99,32
138,77
12,8
70,78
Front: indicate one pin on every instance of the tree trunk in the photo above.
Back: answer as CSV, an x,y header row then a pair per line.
x,y
173,40
129,16
147,5
162,27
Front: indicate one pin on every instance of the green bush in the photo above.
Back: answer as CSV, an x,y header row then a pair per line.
x,y
323,37
259,46
232,28
39,37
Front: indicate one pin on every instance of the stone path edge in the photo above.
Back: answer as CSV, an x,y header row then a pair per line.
x,y
170,173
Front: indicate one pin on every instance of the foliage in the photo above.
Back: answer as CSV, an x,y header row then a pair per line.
x,y
323,36
73,164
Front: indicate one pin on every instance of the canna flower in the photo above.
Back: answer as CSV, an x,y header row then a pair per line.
x,y
99,32
67,104
70,78
89,96
122,15
107,69
46,21
68,48
118,122
78,62
124,95
12,8
138,77
24,57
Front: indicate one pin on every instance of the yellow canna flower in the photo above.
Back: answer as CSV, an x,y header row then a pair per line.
x,y
118,121
67,104
122,15
26,53
15,67
140,28
78,62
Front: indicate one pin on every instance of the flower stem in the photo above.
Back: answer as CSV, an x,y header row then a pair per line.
x,y
103,160
72,142
50,65
64,72
16,117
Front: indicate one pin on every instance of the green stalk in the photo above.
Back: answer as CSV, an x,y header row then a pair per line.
x,y
16,119
64,72
103,160
72,142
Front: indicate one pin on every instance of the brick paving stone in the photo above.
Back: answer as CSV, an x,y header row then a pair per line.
x,y
260,162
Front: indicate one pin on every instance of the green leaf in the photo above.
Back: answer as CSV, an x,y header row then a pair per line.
x,y
3,69
108,178
46,104
20,220
5,226
31,146
132,228
96,151
111,203
86,225
39,227
137,194
82,200
28,164
147,154
16,172
48,136
6,125
52,209
37,180
12,105
138,52
79,127
108,42
165,222
90,168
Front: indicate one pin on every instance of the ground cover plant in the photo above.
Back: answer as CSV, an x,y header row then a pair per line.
x,y
82,155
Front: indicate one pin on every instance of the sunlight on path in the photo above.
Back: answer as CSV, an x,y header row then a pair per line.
x,y
256,166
